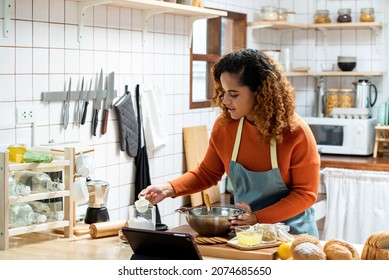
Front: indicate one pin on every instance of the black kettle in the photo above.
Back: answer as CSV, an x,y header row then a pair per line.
x,y
363,94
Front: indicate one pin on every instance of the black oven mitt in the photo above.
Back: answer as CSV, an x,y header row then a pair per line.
x,y
128,126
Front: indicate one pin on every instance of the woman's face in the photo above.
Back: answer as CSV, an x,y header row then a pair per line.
x,y
239,100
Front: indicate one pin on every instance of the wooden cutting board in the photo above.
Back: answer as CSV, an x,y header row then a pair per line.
x,y
227,252
195,147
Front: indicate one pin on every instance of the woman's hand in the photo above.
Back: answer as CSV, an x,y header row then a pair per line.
x,y
157,193
247,218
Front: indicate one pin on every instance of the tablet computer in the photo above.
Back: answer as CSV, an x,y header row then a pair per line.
x,y
161,245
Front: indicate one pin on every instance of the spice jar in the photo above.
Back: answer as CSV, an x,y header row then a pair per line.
x,y
344,15
367,15
282,14
322,16
269,13
332,100
346,98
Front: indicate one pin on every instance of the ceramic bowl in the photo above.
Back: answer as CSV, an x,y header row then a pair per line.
x,y
347,63
347,66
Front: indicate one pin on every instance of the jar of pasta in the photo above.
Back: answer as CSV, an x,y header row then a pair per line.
x,y
367,15
332,100
322,16
346,98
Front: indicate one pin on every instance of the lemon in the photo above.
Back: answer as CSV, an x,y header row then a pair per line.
x,y
284,251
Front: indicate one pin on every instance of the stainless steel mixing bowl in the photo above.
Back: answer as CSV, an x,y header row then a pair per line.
x,y
215,222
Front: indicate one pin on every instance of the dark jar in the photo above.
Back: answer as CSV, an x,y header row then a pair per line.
x,y
344,15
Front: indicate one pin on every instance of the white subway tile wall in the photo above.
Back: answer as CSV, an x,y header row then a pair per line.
x,y
41,53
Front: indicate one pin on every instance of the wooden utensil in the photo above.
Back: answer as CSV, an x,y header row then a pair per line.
x,y
103,229
207,202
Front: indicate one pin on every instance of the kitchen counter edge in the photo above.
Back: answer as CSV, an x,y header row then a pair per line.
x,y
355,162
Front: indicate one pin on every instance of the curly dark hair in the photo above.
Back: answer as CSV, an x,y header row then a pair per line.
x,y
275,100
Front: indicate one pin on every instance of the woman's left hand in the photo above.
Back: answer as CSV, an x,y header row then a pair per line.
x,y
247,218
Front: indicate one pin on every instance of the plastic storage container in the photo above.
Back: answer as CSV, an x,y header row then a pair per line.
x,y
367,15
322,16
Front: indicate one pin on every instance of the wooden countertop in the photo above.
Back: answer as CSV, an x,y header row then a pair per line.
x,y
356,162
48,245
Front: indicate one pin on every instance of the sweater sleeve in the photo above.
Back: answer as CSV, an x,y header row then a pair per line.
x,y
206,175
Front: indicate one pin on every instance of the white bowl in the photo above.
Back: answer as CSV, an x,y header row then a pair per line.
x,y
347,59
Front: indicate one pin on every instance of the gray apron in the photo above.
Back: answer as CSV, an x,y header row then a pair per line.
x,y
262,189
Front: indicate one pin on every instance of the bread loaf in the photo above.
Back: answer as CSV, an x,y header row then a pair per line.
x,y
306,247
376,247
340,250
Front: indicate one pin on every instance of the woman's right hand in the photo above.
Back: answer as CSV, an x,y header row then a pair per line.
x,y
157,193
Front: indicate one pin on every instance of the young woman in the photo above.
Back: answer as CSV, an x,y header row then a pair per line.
x,y
268,152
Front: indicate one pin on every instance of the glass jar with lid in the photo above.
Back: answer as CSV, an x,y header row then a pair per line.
x,y
344,15
269,13
367,15
322,16
282,14
332,100
346,98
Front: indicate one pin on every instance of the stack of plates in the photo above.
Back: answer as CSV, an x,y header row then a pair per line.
x,y
383,113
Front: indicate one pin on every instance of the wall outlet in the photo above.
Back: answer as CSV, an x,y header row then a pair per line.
x,y
25,114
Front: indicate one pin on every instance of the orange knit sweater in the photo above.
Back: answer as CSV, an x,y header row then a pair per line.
x,y
297,156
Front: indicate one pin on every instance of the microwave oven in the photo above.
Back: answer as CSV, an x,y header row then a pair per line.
x,y
343,136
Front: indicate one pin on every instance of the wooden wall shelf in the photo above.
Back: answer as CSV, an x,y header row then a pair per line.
x,y
149,8
335,74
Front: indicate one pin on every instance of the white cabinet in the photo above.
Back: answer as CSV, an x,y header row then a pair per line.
x,y
67,165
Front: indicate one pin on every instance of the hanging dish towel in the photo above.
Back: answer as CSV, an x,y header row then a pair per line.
x,y
128,125
142,173
154,117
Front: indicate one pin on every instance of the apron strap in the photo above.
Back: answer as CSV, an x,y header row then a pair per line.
x,y
273,146
273,153
237,140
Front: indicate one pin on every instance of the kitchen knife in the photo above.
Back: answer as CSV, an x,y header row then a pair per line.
x,y
77,109
86,103
99,93
65,111
108,102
